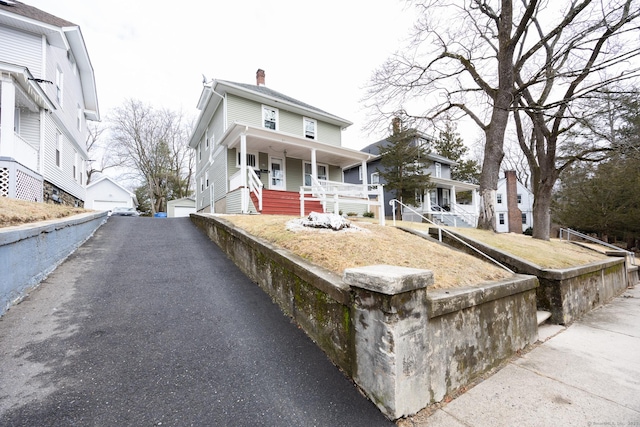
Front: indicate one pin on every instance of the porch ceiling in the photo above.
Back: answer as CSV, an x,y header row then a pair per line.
x,y
277,143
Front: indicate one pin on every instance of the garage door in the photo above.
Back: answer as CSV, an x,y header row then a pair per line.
x,y
180,211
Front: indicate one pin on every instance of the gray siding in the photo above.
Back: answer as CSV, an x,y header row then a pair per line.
x,y
290,123
244,111
21,48
335,173
219,172
294,174
329,134
62,176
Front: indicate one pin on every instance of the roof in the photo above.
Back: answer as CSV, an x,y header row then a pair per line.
x,y
27,11
60,33
374,149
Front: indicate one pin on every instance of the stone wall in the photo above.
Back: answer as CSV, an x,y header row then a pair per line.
x,y
404,345
53,194
567,293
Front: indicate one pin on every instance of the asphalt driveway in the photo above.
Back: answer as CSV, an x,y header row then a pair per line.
x,y
148,323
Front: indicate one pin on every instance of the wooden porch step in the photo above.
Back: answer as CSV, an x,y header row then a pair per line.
x,y
276,202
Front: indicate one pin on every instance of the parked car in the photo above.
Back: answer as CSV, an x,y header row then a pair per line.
x,y
122,211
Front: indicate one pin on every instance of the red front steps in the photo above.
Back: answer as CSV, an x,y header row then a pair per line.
x,y
276,202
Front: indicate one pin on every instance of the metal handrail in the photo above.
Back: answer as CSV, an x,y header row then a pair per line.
x,y
442,229
583,236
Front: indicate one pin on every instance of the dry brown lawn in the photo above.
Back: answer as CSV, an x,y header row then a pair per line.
x,y
337,251
17,212
552,254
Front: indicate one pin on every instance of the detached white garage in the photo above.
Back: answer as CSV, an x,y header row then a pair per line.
x,y
181,207
106,194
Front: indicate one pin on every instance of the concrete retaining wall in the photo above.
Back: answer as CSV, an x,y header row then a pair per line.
x,y
404,345
567,293
30,252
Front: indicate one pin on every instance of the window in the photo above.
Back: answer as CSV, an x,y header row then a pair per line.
x,y
201,184
59,150
212,141
524,218
438,170
200,151
75,165
206,179
79,118
310,127
270,117
375,178
206,142
251,159
519,198
499,198
501,218
59,85
320,169
16,121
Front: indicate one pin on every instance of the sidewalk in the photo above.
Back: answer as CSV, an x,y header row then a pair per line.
x,y
585,375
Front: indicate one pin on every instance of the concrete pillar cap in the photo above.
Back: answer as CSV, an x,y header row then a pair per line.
x,y
388,279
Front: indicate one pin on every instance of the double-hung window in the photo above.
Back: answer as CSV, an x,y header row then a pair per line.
x,y
59,150
310,128
251,159
375,178
59,86
270,117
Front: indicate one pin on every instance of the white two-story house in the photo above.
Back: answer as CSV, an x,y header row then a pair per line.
x,y
47,94
255,148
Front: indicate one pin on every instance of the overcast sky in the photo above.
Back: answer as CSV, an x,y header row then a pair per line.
x,y
321,53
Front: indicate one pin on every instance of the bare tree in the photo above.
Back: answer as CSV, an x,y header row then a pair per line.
x,y
102,158
154,144
479,57
562,85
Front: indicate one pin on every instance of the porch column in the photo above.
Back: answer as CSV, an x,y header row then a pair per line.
x,y
7,117
365,175
314,166
243,174
476,206
454,200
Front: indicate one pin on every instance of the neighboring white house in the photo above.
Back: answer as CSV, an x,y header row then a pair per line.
x,y
47,94
514,205
181,207
249,137
106,194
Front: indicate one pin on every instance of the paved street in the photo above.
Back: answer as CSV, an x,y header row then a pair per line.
x,y
148,323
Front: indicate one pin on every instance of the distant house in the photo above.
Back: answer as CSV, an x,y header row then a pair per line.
x,y
256,147
47,94
440,202
514,205
106,194
181,207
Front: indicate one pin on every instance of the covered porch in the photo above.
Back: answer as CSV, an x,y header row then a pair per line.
x,y
272,160
450,202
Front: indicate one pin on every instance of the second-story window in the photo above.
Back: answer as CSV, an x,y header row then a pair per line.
x,y
438,170
519,196
310,128
375,178
270,117
59,85
499,198
79,117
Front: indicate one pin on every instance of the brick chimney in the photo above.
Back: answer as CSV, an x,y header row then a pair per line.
x,y
514,214
260,77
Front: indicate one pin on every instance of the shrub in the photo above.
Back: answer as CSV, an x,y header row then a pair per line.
x,y
368,215
528,232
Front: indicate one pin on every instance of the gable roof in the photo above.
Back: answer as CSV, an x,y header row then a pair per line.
x,y
59,33
374,149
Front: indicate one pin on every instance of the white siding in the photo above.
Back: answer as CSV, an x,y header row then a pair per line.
x,y
21,48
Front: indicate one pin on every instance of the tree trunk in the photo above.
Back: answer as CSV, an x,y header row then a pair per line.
x,y
542,207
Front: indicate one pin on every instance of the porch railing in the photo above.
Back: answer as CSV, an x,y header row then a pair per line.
x,y
23,152
336,192
255,186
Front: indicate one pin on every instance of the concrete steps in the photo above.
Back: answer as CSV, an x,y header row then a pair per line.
x,y
542,316
276,202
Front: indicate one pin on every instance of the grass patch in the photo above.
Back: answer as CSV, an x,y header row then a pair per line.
x,y
17,212
554,253
337,251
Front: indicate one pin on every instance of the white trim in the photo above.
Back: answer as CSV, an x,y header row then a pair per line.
x,y
249,153
304,171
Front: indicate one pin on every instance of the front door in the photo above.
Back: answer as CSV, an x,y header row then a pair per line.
x,y
277,174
